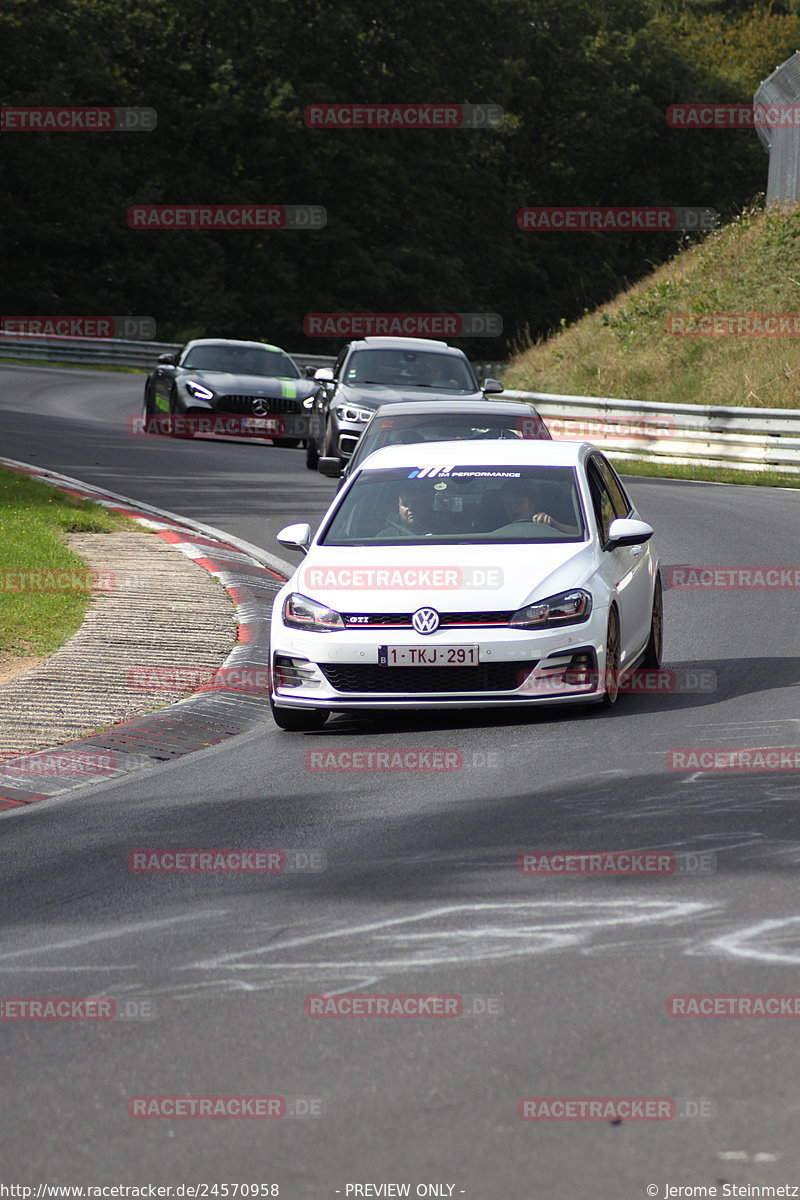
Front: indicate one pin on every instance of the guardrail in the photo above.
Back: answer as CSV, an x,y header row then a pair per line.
x,y
751,439
117,352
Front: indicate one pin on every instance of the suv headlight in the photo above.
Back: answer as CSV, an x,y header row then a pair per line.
x,y
347,412
197,390
301,613
567,608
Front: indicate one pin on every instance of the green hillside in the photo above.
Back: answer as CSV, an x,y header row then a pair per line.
x,y
625,350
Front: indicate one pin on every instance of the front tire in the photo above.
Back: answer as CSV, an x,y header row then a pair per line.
x,y
654,650
312,454
298,720
177,416
612,660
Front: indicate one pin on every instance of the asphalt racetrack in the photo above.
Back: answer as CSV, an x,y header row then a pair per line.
x,y
421,894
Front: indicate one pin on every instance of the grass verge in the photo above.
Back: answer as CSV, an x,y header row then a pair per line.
x,y
33,520
704,474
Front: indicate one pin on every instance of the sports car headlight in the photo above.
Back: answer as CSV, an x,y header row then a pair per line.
x,y
567,608
346,412
301,613
197,390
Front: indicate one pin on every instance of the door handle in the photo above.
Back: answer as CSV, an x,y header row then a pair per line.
x,y
636,551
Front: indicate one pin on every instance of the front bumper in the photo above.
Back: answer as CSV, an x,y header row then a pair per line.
x,y
517,667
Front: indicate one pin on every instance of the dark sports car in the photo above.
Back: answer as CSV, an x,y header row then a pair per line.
x,y
217,385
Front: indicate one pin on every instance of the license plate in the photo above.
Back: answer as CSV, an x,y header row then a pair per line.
x,y
265,425
429,656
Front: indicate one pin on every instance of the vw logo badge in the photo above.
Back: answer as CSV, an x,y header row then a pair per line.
x,y
425,620
260,407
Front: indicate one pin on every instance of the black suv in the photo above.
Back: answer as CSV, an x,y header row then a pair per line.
x,y
382,370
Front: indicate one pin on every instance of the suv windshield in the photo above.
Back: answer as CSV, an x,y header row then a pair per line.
x,y
410,368
454,505
241,360
450,427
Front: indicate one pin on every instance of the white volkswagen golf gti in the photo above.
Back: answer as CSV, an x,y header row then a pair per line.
x,y
453,575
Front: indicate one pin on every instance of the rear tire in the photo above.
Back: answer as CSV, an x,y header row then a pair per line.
x,y
298,720
286,443
654,650
612,660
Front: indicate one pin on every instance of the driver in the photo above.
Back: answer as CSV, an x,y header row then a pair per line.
x,y
437,372
523,505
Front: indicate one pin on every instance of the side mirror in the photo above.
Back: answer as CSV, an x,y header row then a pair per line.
x,y
492,387
330,467
169,360
296,537
309,372
324,374
625,532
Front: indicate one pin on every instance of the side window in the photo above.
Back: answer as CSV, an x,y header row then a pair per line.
x,y
621,503
601,500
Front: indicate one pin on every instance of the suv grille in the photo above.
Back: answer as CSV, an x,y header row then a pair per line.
x,y
488,677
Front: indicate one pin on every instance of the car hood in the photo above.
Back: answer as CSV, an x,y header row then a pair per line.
x,y
225,383
374,397
459,578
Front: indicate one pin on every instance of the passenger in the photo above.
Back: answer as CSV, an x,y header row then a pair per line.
x,y
415,515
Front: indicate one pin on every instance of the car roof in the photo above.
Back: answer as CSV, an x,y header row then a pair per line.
x,y
405,343
233,342
500,453
505,408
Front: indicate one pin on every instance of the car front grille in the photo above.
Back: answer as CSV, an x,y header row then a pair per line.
x,y
463,620
244,404
369,679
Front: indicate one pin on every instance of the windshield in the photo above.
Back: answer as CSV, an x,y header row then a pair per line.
x,y
451,427
410,368
241,360
455,505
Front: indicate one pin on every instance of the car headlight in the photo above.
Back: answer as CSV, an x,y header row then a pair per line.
x,y
301,613
567,608
197,390
346,412
308,402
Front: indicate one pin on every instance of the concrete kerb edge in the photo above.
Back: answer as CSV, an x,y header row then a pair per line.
x,y
220,707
